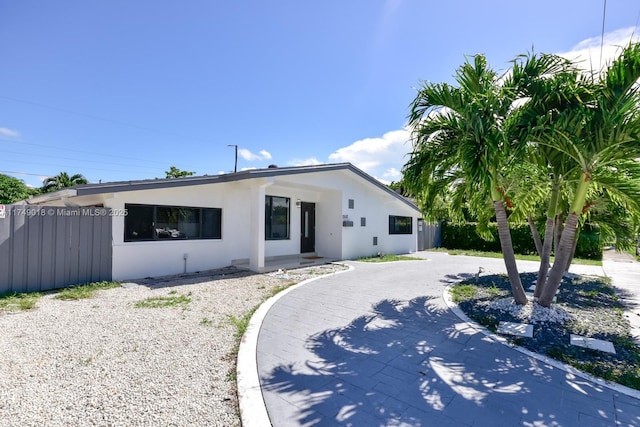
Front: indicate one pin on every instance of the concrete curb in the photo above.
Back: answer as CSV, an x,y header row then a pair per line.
x,y
446,296
253,411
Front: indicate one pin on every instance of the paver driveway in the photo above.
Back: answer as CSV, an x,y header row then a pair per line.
x,y
377,346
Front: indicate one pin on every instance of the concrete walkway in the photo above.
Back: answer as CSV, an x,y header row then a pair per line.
x,y
625,277
377,346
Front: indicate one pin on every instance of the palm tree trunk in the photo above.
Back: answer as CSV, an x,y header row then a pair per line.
x,y
535,235
544,257
548,239
565,248
507,252
573,250
558,229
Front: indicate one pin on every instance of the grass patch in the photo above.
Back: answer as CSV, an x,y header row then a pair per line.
x,y
277,289
462,292
596,312
536,258
389,258
19,301
168,301
87,290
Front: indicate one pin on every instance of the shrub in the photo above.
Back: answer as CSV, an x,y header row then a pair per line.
x,y
464,236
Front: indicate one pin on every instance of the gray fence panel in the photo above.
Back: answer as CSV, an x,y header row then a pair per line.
x,y
60,253
33,254
5,253
48,249
428,235
53,248
18,253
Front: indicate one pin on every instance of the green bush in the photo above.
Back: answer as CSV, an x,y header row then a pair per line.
x,y
464,236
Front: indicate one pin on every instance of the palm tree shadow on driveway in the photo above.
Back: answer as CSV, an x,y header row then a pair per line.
x,y
414,363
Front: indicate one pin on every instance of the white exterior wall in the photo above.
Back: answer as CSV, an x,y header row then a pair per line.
x,y
375,206
370,202
156,258
242,204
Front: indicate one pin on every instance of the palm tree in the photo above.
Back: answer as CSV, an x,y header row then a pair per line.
x,y
549,168
601,135
62,180
458,139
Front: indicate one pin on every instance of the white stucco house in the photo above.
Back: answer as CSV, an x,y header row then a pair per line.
x,y
172,226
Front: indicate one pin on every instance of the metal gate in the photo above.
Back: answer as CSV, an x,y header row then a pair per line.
x,y
49,247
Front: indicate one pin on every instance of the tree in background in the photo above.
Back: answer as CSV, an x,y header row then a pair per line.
x,y
174,172
13,189
62,180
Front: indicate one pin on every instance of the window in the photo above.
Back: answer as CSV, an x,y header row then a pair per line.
x,y
276,218
149,222
400,224
351,203
363,222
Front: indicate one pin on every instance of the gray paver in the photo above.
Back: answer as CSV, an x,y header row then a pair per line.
x,y
394,354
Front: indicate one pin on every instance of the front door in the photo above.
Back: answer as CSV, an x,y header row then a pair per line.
x,y
307,227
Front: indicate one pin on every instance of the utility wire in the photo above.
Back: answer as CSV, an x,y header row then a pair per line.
x,y
137,159
104,119
604,14
75,159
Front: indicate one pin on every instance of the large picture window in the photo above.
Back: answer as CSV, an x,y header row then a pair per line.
x,y
150,222
400,224
276,219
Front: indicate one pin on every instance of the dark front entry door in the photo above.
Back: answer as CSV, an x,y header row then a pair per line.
x,y
307,227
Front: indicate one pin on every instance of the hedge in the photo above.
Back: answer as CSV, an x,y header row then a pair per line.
x,y
464,236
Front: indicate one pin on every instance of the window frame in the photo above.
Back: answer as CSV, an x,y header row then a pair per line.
x,y
202,227
268,218
398,228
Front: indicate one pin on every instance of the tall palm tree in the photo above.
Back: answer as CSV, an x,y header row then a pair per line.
x,y
458,137
62,180
601,135
545,97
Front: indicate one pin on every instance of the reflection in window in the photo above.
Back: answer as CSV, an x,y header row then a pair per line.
x,y
276,214
400,224
148,222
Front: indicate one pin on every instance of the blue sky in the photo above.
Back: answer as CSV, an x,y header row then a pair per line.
x,y
121,90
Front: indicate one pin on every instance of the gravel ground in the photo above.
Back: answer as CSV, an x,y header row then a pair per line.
x,y
102,361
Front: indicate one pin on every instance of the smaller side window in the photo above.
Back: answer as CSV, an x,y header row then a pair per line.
x,y
400,224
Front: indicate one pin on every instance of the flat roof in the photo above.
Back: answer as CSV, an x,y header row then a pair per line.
x,y
159,183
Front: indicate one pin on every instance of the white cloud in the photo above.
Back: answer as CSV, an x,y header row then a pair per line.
x,y
304,162
249,156
265,154
9,133
586,54
381,157
392,174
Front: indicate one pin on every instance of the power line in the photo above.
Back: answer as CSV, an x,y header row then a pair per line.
x,y
604,14
74,159
136,159
104,119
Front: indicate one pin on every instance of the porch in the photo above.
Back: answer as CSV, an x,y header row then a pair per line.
x,y
286,262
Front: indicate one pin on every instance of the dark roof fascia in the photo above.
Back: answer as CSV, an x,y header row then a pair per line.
x,y
154,184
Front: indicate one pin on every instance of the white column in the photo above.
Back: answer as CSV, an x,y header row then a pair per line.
x,y
258,193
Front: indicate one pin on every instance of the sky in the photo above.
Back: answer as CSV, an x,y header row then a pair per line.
x,y
121,90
